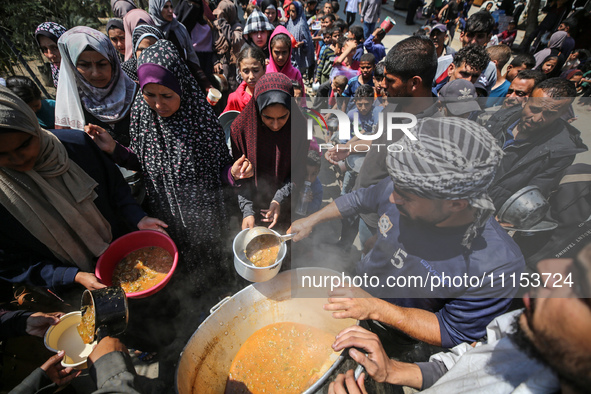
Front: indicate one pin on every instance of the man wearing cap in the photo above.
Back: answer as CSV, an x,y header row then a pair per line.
x,y
438,35
543,348
478,31
434,221
458,98
538,144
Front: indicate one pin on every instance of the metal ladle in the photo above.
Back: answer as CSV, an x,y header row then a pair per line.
x,y
260,231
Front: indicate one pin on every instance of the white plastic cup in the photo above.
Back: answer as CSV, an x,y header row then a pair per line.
x,y
213,96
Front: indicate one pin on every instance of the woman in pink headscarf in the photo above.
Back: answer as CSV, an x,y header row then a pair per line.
x,y
133,19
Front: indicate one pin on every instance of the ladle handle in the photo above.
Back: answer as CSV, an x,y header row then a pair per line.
x,y
286,237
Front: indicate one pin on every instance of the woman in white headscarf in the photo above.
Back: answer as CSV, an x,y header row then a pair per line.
x,y
62,201
92,87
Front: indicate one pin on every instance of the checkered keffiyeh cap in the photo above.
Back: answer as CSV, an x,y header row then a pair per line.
x,y
452,159
257,21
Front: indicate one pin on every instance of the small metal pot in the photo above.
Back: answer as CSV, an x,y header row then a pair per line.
x,y
246,269
111,311
524,209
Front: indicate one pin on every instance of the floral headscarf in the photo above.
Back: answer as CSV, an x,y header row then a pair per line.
x,y
53,31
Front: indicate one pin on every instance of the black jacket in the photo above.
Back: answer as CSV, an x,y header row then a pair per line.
x,y
539,161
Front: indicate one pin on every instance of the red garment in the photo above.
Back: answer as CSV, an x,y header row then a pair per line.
x,y
271,152
507,35
238,100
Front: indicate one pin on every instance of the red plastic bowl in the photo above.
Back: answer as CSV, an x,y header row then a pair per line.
x,y
128,243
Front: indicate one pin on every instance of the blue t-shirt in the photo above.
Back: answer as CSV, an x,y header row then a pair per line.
x,y
498,94
407,248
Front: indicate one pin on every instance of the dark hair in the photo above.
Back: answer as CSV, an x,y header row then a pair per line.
x,y
480,22
558,88
548,58
341,25
413,56
296,85
526,59
330,16
364,91
378,72
536,75
341,81
335,6
568,23
341,41
368,57
313,159
281,37
473,55
24,88
329,31
357,33
253,52
583,54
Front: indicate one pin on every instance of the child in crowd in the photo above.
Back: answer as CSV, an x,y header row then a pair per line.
x,y
298,92
575,59
26,89
325,60
335,6
365,77
508,36
344,64
251,65
548,65
328,8
280,59
374,45
378,76
366,119
327,21
310,7
326,36
314,197
499,55
257,31
315,22
342,26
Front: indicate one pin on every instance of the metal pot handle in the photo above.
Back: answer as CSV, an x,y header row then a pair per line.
x,y
219,305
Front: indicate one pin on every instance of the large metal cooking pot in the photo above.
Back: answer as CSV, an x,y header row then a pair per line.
x,y
206,359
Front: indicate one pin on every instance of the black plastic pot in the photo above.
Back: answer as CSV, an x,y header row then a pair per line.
x,y
110,308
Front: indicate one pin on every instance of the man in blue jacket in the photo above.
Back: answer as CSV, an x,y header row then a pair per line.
x,y
437,268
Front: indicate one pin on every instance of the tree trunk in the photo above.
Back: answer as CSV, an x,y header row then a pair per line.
x,y
532,16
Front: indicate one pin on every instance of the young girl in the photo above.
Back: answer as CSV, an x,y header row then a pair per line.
x,y
549,65
280,59
251,64
257,31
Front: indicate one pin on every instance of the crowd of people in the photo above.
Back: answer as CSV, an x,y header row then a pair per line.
x,y
489,122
